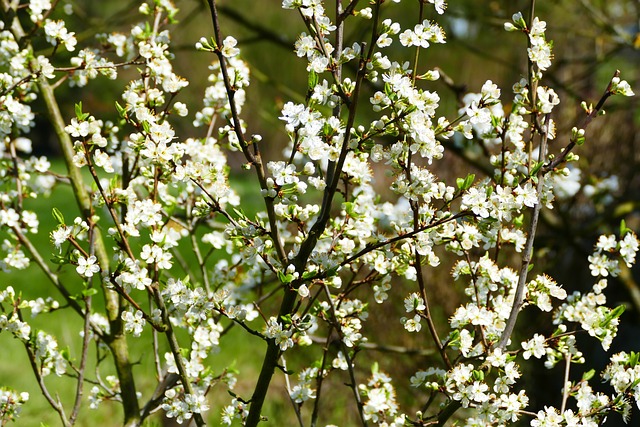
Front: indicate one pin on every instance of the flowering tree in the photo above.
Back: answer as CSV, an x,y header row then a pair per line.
x,y
325,249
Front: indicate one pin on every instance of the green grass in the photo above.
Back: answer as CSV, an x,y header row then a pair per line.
x,y
65,325
237,350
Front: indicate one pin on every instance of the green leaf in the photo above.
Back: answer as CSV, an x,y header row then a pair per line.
x,y
282,277
536,168
58,260
89,292
633,359
478,375
312,80
58,216
465,183
388,90
468,181
615,313
79,114
66,354
519,220
588,375
349,209
489,190
120,109
623,228
308,274
454,337
332,271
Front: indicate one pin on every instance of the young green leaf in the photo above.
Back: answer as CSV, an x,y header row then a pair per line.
x,y
57,215
588,375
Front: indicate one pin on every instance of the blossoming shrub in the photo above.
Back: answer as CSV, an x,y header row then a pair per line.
x,y
303,274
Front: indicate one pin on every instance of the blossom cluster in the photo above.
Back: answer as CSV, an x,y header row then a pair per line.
x,y
11,404
180,259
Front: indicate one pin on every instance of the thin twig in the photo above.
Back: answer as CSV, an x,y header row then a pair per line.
x,y
395,349
345,352
518,298
398,238
296,406
320,379
54,403
254,159
175,351
86,340
585,123
565,384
